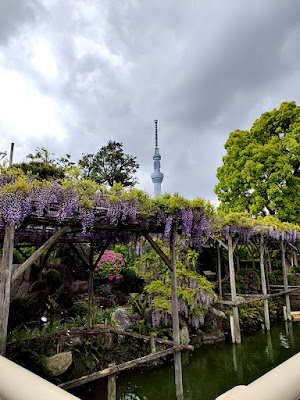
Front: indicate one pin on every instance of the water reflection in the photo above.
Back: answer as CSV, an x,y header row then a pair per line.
x,y
209,371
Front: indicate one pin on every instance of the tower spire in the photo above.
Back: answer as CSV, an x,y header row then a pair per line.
x,y
156,139
157,176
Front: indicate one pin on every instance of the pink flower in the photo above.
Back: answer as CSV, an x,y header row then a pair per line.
x,y
111,277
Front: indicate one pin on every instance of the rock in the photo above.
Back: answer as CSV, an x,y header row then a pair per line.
x,y
107,340
38,285
148,316
64,271
72,341
106,303
40,297
213,337
76,288
121,319
104,289
219,313
59,363
184,335
121,298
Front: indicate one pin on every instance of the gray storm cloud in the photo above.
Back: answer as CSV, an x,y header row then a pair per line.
x,y
90,71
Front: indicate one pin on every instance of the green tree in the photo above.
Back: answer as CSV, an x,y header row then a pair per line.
x,y
261,170
109,165
43,166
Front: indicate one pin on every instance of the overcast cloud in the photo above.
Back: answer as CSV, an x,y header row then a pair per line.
x,y
75,74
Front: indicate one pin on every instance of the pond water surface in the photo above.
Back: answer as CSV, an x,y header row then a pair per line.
x,y
208,371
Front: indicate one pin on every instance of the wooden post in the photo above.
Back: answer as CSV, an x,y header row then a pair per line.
x,y
91,287
219,270
11,155
235,331
35,256
264,283
175,320
153,345
112,386
285,282
5,279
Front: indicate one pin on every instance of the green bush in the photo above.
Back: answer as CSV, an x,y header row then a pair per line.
x,y
53,278
79,308
252,315
21,311
276,278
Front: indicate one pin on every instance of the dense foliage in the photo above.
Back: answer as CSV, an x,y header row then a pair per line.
x,y
261,170
195,292
110,165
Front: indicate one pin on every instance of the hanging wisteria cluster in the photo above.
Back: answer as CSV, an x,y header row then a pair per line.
x,y
78,203
246,229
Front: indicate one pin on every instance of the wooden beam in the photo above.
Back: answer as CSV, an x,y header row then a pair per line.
x,y
258,298
100,328
5,280
235,331
221,242
158,250
285,281
22,268
236,240
219,265
80,251
118,368
175,318
264,283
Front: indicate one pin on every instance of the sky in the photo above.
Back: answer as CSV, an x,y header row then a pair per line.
x,y
75,74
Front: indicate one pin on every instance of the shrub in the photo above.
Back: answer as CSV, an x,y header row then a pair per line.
x,y
53,278
21,311
79,308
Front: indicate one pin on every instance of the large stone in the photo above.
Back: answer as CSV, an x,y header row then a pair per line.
x,y
59,363
77,288
121,319
219,313
184,335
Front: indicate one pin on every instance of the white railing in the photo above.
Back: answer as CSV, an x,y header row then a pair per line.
x,y
17,383
281,383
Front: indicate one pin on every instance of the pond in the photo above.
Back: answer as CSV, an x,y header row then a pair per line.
x,y
208,371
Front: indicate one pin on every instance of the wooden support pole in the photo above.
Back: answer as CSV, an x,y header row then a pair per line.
x,y
5,279
158,250
22,268
264,283
91,286
219,270
175,319
153,345
118,368
112,386
11,155
235,331
285,282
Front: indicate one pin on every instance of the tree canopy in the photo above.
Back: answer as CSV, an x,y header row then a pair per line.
x,y
261,170
110,165
42,166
